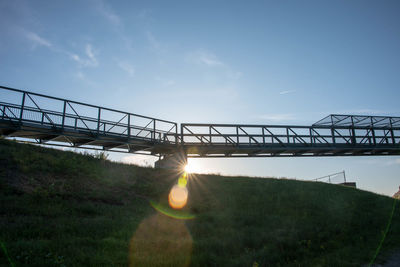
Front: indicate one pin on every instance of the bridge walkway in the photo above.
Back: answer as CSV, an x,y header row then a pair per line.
x,y
55,121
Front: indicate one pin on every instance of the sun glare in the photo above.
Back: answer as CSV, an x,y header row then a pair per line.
x,y
192,167
188,168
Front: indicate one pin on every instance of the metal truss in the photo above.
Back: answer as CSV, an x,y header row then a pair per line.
x,y
233,140
51,120
359,121
55,121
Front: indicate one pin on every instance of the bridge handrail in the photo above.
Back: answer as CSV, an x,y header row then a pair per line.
x,y
69,115
160,133
85,104
380,133
233,134
171,126
289,126
358,120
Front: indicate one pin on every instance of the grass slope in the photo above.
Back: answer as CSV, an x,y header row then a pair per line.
x,y
66,209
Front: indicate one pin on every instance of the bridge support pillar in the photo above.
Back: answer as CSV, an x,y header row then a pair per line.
x,y
176,161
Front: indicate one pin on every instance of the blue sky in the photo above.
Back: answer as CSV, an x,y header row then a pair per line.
x,y
264,62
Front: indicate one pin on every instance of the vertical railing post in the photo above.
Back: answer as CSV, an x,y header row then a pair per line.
x,y
386,136
182,141
353,132
22,107
98,121
263,133
63,117
353,136
4,112
129,125
154,130
287,135
176,134
368,136
391,131
271,135
333,135
209,132
373,131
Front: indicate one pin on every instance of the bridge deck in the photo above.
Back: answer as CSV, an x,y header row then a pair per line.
x,y
55,121
222,140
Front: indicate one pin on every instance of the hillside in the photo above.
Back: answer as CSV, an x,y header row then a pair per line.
x,y
62,208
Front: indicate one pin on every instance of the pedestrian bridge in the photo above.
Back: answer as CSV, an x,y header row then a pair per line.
x,y
43,119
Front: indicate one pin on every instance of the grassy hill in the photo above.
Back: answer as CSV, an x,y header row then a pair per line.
x,y
61,208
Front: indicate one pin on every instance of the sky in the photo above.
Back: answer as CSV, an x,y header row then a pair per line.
x,y
261,62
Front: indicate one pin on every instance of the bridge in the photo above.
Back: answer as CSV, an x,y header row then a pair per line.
x,y
42,119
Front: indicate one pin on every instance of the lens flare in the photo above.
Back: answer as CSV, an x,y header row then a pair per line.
x,y
161,241
182,182
170,212
178,196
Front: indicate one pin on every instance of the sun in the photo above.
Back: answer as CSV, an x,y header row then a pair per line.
x,y
192,167
189,168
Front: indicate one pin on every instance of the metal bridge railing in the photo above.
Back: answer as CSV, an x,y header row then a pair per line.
x,y
281,135
18,106
359,121
50,116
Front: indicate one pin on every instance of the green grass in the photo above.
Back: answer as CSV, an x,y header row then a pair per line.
x,y
66,209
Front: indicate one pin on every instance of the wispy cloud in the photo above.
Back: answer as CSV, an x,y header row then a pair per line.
x,y
90,54
115,21
128,68
36,39
153,41
108,13
210,60
90,59
277,117
287,92
204,57
82,77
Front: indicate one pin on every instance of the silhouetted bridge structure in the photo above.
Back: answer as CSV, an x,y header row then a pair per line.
x,y
55,121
